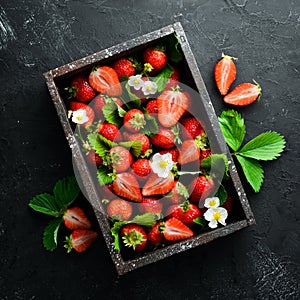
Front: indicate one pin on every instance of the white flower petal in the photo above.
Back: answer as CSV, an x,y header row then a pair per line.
x,y
136,82
208,215
212,202
162,164
79,116
213,224
149,88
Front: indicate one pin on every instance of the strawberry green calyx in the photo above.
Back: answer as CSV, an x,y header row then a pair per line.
x,y
185,206
202,141
132,239
175,88
176,131
259,89
161,48
68,243
228,57
138,121
72,91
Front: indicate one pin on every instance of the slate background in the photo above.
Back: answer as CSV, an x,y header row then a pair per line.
x,y
261,262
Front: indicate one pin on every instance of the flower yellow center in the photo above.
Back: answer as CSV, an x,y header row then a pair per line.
x,y
149,88
212,203
79,118
136,81
163,164
217,216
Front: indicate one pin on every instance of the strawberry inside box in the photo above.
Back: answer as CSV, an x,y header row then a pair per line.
x,y
147,148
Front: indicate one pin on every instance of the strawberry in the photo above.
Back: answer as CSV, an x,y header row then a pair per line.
x,y
201,188
121,158
189,109
164,138
93,158
177,195
156,58
173,80
134,120
126,185
150,204
111,132
80,89
106,191
244,94
100,101
152,107
174,152
174,230
139,137
155,235
141,167
189,152
225,72
171,106
204,154
124,67
157,185
191,128
119,209
80,240
89,111
228,204
105,80
75,218
134,236
185,212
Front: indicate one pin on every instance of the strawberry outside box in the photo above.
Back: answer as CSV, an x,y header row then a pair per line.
x,y
56,80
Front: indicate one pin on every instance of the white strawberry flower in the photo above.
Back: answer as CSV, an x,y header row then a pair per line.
x,y
149,88
79,116
136,82
162,164
216,215
212,202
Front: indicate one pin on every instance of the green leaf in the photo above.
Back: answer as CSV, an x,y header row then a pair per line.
x,y
200,221
174,53
182,190
115,233
147,219
50,234
266,146
216,162
104,176
100,148
162,78
122,112
65,192
253,171
221,194
46,204
233,128
106,142
111,114
135,147
151,127
135,101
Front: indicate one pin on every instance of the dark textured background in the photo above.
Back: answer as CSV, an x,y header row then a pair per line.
x,y
261,262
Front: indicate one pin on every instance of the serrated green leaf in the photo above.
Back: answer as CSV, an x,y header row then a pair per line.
x,y
233,128
151,127
200,221
221,194
162,78
182,190
253,171
115,233
173,48
134,101
106,142
46,204
134,146
111,114
65,192
100,148
103,175
147,219
266,146
216,162
122,112
50,234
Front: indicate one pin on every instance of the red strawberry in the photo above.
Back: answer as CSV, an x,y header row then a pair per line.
x,y
228,204
201,188
106,191
80,89
189,152
175,230
139,137
93,158
155,235
244,94
152,107
157,185
155,57
204,154
134,120
150,204
134,236
189,110
89,111
191,128
111,132
174,152
80,240
75,218
105,80
177,195
124,67
185,212
173,80
164,138
171,106
121,158
141,167
225,72
119,209
127,186
100,101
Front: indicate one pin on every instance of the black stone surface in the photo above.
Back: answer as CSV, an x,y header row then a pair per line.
x,y
261,262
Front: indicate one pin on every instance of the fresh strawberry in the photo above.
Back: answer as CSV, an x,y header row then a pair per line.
x,y
244,94
100,101
89,111
205,153
93,158
80,89
106,191
119,209
127,186
156,185
174,230
134,120
139,137
171,106
156,58
228,204
177,195
134,236
189,152
201,188
189,110
150,204
174,152
164,138
152,107
124,67
80,240
185,212
75,218
155,235
191,128
111,132
105,80
173,80
141,167
121,158
225,72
